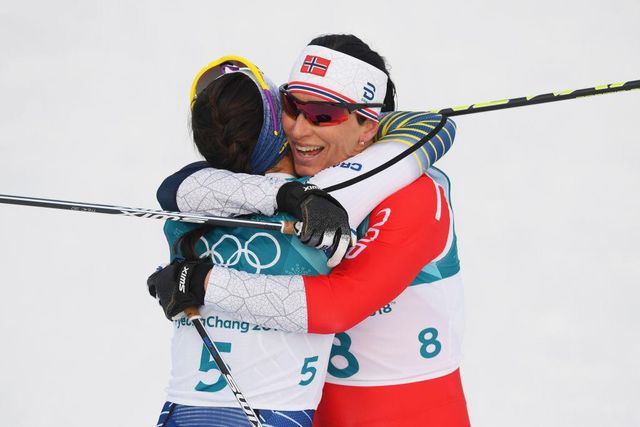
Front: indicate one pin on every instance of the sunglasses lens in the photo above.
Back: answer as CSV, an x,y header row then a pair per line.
x,y
289,105
320,114
325,114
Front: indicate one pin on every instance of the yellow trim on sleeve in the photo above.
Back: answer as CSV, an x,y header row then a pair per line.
x,y
394,119
410,117
448,134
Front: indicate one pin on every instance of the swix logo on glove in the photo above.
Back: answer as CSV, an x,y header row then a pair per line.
x,y
183,279
315,65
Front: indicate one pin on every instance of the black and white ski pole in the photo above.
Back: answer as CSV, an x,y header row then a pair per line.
x,y
194,315
285,227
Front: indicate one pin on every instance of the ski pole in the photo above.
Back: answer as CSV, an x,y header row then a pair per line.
x,y
285,227
194,315
538,99
490,106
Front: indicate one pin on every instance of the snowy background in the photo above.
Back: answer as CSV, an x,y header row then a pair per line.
x,y
93,107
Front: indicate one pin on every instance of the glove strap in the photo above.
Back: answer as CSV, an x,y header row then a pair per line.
x,y
291,195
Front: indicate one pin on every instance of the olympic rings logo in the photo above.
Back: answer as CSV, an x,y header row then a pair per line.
x,y
241,251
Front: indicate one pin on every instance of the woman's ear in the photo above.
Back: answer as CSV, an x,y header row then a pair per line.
x,y
370,128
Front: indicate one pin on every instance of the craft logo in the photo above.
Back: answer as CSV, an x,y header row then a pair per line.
x,y
371,235
315,65
353,166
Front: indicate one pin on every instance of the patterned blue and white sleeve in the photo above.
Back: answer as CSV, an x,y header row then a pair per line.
x,y
200,188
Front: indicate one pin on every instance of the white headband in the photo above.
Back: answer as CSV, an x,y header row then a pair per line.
x,y
338,77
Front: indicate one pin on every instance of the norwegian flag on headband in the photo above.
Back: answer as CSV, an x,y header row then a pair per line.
x,y
315,65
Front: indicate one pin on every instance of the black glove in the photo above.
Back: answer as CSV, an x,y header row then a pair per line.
x,y
325,223
179,285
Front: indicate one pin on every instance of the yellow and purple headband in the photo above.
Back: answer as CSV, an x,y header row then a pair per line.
x,y
272,144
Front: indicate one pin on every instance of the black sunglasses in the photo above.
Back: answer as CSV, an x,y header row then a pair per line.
x,y
320,113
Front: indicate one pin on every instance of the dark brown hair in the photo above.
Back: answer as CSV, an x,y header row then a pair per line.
x,y
226,120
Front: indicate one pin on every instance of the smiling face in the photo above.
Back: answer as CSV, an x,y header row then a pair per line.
x,y
316,148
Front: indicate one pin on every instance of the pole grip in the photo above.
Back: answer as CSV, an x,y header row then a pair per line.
x,y
289,227
192,312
